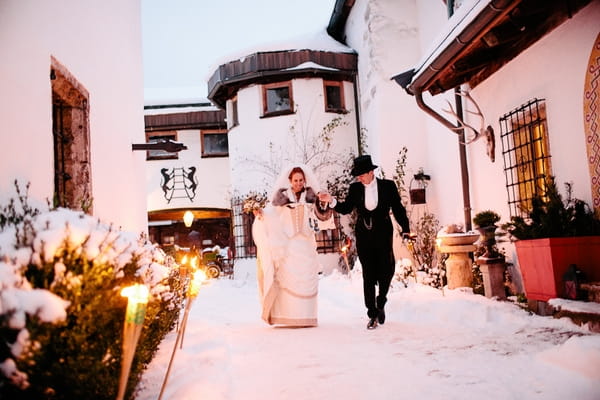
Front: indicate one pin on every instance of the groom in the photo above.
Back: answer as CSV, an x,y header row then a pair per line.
x,y
373,198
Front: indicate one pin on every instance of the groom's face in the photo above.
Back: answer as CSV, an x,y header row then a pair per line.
x,y
366,178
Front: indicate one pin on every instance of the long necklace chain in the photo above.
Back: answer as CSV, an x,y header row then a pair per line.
x,y
368,225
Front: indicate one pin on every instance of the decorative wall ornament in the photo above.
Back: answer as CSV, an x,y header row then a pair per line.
x,y
482,132
591,120
179,183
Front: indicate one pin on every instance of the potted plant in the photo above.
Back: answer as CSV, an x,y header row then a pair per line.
x,y
555,234
486,218
485,222
491,262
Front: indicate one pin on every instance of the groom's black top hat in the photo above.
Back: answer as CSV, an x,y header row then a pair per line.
x,y
362,165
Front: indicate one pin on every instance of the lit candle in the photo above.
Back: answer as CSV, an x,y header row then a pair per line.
x,y
137,299
197,279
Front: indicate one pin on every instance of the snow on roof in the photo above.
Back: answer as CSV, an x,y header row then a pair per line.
x,y
310,64
175,96
174,109
463,16
319,41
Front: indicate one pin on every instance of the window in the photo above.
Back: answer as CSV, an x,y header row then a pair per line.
x,y
277,99
155,137
526,155
334,96
71,138
214,143
234,113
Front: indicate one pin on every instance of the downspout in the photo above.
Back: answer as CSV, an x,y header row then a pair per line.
x,y
462,147
357,115
464,168
464,171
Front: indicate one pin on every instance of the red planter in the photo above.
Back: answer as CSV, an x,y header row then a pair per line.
x,y
544,261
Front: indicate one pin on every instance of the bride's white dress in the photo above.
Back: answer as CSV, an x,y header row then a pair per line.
x,y
288,269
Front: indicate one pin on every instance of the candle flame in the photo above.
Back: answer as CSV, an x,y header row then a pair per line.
x,y
197,279
136,293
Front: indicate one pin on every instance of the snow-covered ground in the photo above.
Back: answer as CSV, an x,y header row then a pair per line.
x,y
434,345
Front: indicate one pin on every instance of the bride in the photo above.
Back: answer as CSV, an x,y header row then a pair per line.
x,y
284,233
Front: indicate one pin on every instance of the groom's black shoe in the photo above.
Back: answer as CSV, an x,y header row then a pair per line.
x,y
372,323
381,316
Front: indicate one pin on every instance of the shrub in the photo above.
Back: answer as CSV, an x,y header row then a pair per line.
x,y
486,218
429,269
551,216
61,314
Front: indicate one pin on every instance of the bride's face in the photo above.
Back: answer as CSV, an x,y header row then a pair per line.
x,y
297,182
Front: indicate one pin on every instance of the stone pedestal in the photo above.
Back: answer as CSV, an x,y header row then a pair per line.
x,y
492,272
459,269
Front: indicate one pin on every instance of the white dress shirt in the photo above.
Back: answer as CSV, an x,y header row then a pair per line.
x,y
371,195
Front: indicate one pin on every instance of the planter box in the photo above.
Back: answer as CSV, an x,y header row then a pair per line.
x,y
543,263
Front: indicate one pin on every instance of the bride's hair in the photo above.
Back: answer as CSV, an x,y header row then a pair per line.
x,y
296,170
283,180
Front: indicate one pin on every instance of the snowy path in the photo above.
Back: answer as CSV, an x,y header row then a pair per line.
x,y
432,346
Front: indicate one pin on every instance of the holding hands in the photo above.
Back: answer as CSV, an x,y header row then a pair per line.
x,y
258,213
324,197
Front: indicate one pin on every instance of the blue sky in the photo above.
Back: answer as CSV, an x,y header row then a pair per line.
x,y
183,38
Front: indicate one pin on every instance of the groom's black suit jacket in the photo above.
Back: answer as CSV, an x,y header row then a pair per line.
x,y
377,219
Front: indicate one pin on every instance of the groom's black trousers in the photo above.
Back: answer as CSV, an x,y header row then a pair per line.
x,y
377,259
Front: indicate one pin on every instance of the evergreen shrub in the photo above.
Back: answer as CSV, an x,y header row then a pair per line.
x,y
73,261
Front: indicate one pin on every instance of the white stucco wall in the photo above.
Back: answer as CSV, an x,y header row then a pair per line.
x,y
387,37
552,69
259,147
444,194
212,173
100,45
381,31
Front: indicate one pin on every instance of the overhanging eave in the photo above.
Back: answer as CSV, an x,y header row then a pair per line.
x,y
482,38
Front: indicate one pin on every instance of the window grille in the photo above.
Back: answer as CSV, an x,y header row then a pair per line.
x,y
526,153
328,241
242,230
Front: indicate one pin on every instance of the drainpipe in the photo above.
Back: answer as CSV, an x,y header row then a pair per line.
x,y
357,113
464,171
462,148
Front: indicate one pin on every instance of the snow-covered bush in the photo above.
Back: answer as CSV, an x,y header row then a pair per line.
x,y
61,314
428,267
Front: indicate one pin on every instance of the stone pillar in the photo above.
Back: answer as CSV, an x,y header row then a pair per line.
x,y
492,271
459,268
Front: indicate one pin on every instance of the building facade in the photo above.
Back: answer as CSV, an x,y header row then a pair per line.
x,y
70,107
531,76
